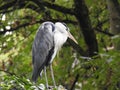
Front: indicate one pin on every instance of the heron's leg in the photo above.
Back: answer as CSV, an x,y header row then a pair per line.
x,y
52,74
46,77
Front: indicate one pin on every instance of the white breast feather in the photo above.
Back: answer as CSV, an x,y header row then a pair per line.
x,y
59,40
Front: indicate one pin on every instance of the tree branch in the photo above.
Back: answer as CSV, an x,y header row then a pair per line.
x,y
82,15
38,6
76,79
29,23
10,73
55,7
104,32
98,28
8,5
7,11
77,47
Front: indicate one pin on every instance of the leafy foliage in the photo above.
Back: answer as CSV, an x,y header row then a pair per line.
x,y
100,72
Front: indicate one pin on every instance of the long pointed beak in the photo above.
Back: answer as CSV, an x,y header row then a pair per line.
x,y
71,37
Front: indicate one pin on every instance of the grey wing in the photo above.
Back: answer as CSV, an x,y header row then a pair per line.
x,y
41,49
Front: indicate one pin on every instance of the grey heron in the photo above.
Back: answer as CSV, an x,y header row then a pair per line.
x,y
48,41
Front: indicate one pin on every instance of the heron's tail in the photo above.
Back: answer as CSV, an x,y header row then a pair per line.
x,y
36,72
35,75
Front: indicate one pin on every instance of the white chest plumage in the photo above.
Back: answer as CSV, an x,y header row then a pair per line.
x,y
59,40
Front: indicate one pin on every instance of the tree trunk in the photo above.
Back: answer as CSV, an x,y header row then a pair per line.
x,y
114,11
81,13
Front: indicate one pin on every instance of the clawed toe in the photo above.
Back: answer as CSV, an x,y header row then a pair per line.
x,y
51,87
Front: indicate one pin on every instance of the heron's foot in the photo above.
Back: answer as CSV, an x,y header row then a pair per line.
x,y
50,87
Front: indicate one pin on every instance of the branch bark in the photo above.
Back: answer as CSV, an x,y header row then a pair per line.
x,y
114,10
104,32
38,6
81,13
29,23
11,6
77,47
8,5
55,7
76,79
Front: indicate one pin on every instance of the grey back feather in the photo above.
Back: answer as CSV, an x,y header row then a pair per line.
x,y
43,43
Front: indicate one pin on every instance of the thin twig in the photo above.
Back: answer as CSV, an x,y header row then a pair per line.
x,y
10,73
76,79
104,32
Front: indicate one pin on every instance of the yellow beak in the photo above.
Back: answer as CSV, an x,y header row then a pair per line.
x,y
71,37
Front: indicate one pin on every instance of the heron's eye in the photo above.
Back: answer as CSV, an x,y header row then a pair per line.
x,y
67,29
64,24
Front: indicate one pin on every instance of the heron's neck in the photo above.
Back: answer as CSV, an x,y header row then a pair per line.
x,y
59,40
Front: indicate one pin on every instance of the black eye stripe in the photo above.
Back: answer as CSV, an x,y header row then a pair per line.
x,y
65,26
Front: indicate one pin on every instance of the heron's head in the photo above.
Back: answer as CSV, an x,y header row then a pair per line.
x,y
63,29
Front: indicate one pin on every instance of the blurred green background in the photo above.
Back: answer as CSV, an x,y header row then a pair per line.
x,y
19,21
